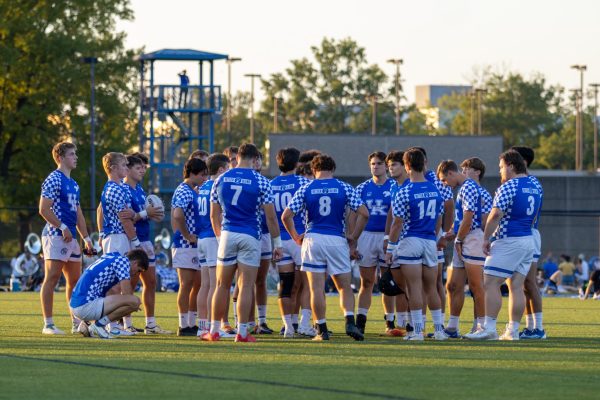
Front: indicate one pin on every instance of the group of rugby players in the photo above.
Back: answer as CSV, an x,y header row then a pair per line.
x,y
230,223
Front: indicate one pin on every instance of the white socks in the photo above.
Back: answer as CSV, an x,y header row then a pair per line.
x,y
183,320
490,324
262,313
438,320
192,318
453,322
150,322
538,321
417,317
306,317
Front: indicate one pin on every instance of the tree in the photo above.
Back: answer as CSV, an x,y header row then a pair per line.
x,y
45,90
521,110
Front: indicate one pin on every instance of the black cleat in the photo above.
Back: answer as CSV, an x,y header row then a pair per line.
x,y
321,337
189,331
353,331
409,328
295,328
361,323
263,329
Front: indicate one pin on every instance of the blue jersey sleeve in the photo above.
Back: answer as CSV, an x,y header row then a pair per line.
x,y
400,204
470,198
51,187
122,268
505,195
266,193
298,203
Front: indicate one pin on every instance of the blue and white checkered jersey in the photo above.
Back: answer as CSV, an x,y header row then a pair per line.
x,y
419,204
241,193
486,200
395,186
186,198
98,278
445,190
284,187
115,198
64,193
325,202
468,199
378,199
519,199
205,229
537,184
138,203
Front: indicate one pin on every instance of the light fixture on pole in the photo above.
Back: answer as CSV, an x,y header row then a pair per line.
x,y
576,98
579,134
276,101
252,76
397,62
229,61
480,92
595,87
92,61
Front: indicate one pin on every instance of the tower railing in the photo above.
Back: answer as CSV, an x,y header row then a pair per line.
x,y
172,98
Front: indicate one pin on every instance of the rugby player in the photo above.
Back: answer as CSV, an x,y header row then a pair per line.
x,y
509,246
207,244
184,221
115,219
136,170
375,193
91,301
417,208
534,328
474,169
266,256
326,247
447,219
59,206
399,176
468,257
237,197
284,187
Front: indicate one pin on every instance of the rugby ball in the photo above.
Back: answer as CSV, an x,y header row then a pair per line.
x,y
155,201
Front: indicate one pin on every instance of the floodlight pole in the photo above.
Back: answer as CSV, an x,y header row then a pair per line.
x,y
252,76
479,92
595,87
397,62
579,132
229,61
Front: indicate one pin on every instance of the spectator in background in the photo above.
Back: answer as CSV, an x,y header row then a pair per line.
x,y
567,268
582,273
184,82
593,286
550,266
167,275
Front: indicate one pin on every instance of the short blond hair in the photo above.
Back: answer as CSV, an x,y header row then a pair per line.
x,y
60,149
111,159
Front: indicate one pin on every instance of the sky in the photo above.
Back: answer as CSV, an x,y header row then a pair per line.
x,y
441,42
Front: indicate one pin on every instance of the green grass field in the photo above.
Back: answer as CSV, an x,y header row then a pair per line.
x,y
32,366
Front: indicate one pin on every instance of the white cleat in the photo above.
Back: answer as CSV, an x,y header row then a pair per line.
x,y
96,331
202,332
510,334
84,329
288,333
224,334
156,330
52,330
415,336
482,334
307,331
440,335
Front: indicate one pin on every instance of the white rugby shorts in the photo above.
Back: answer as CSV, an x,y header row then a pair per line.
x,y
55,248
292,254
414,251
148,247
185,258
266,248
472,250
207,252
116,243
238,248
91,311
509,255
325,253
537,245
370,247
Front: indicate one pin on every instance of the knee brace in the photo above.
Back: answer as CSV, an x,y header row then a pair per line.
x,y
286,282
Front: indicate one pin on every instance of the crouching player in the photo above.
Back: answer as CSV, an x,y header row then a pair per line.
x,y
89,301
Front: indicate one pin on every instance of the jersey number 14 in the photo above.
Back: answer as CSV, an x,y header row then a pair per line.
x,y
429,211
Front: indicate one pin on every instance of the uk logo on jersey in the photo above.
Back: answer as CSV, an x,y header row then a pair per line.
x,y
377,207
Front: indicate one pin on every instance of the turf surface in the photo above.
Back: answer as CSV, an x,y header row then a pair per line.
x,y
35,366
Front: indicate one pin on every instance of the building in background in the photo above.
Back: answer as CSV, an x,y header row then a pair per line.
x,y
427,98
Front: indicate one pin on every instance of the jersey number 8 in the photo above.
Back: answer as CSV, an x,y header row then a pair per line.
x,y
325,206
